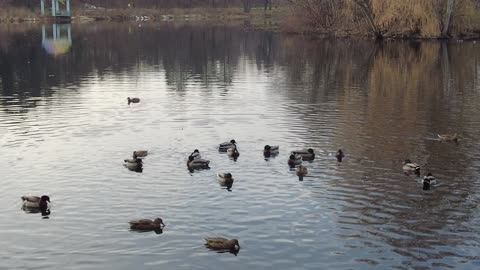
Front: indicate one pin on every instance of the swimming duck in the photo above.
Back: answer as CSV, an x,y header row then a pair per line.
x,y
301,171
307,154
140,153
294,160
133,100
36,202
196,154
137,155
219,243
269,151
340,155
147,224
448,137
233,152
197,164
409,166
225,178
429,180
227,145
134,164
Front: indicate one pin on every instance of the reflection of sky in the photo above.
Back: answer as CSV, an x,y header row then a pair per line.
x,y
362,214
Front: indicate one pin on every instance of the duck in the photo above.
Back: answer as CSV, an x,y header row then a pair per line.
x,y
225,178
294,160
36,202
140,153
269,151
147,224
134,164
137,155
197,164
448,137
428,180
220,243
223,147
233,152
307,154
340,155
409,166
301,171
133,100
196,154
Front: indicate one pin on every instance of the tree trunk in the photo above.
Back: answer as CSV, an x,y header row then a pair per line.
x,y
448,17
246,6
267,4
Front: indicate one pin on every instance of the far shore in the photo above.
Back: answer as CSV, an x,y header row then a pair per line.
x,y
258,18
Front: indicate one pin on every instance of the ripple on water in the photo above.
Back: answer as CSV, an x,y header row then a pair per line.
x,y
70,141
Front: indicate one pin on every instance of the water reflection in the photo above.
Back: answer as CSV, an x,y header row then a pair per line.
x,y
57,40
381,103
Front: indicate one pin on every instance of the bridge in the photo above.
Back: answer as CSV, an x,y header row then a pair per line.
x,y
60,9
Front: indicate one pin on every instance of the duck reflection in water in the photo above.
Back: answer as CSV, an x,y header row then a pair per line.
x,y
45,212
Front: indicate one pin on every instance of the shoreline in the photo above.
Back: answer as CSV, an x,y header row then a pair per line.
x,y
271,20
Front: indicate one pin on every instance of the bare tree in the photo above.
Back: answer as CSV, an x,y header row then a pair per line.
x,y
448,17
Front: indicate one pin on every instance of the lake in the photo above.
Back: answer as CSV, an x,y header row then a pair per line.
x,y
66,127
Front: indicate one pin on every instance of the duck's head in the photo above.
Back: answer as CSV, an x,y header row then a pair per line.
x,y
407,161
233,141
196,151
310,150
237,244
159,221
44,198
426,185
292,157
191,158
129,99
135,154
340,152
228,175
267,147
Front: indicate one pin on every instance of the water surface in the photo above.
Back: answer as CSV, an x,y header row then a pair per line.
x,y
65,127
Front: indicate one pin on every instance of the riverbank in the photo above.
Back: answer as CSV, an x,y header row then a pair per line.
x,y
257,17
285,19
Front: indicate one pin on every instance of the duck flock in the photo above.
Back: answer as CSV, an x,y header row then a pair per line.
x,y
195,162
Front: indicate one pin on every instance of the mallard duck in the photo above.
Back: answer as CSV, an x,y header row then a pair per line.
x,y
36,202
307,154
409,166
301,171
428,180
233,152
140,153
197,164
227,145
137,155
147,224
134,164
133,100
448,137
219,243
225,178
196,154
294,160
340,155
269,151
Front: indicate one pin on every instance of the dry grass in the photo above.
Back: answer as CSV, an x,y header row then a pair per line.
x,y
18,15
